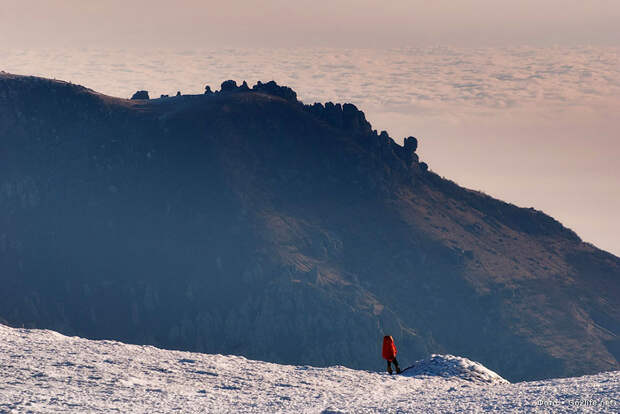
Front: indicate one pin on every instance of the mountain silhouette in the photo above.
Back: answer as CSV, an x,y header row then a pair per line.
x,y
244,222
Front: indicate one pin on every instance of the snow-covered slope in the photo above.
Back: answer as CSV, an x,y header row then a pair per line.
x,y
43,371
450,366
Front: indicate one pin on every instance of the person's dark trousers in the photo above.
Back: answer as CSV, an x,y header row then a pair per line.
x,y
396,367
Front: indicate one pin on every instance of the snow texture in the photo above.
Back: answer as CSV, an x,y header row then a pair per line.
x,y
44,371
450,366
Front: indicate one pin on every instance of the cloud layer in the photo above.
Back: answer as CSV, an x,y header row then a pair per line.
x,y
430,79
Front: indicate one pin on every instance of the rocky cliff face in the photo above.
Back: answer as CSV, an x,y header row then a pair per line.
x,y
242,221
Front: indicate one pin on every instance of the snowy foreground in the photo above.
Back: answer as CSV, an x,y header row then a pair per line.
x,y
43,371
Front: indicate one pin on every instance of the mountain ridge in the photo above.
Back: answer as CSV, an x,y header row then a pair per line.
x,y
316,227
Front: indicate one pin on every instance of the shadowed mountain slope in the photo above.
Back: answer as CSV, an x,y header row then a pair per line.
x,y
245,222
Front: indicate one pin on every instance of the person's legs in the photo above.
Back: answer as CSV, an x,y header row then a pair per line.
x,y
389,368
396,365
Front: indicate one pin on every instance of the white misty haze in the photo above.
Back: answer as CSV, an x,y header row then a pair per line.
x,y
533,125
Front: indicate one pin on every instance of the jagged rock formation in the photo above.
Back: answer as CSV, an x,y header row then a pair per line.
x,y
243,221
273,89
229,86
140,95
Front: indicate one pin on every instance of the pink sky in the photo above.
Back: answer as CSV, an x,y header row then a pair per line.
x,y
350,23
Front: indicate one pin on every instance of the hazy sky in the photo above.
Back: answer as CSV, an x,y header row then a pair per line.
x,y
350,23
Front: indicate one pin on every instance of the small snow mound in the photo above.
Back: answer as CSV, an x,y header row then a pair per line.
x,y
450,366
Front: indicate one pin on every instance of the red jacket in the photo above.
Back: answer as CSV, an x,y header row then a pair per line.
x,y
389,349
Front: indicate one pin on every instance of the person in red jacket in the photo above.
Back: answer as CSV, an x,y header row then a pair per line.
x,y
389,354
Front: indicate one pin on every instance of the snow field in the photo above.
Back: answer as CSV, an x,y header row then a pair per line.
x,y
46,372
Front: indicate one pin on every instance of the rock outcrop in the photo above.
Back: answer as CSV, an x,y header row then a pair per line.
x,y
272,88
228,86
140,95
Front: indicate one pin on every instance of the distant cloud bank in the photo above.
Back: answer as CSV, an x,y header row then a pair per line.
x,y
429,80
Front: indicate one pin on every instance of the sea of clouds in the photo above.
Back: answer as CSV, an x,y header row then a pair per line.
x,y
429,80
533,126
